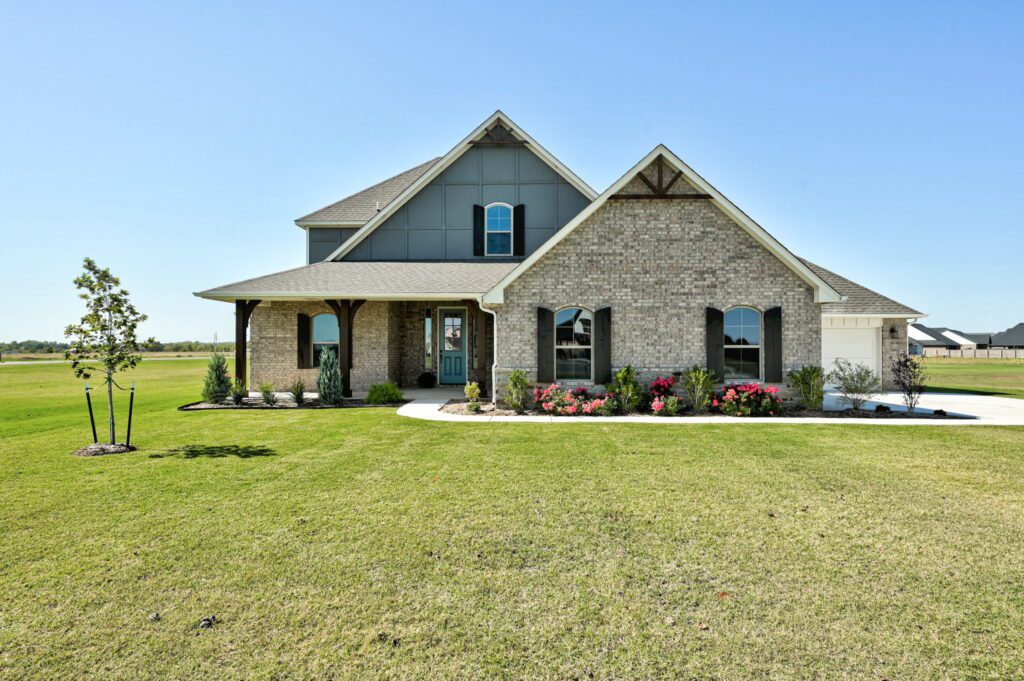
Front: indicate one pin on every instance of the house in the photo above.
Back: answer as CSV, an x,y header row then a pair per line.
x,y
1011,338
925,340
496,256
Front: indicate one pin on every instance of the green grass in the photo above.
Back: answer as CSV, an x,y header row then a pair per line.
x,y
356,543
999,377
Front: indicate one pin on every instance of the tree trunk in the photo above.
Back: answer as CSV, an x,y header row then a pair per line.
x,y
110,403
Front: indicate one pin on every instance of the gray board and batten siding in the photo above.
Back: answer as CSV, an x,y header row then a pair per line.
x,y
437,223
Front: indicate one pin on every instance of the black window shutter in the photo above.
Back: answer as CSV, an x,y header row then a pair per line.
x,y
716,342
478,230
545,345
773,345
603,346
303,341
519,230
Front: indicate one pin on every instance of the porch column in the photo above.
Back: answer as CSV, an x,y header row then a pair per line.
x,y
345,312
243,310
480,350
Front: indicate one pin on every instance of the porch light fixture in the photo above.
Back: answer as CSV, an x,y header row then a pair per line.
x,y
893,333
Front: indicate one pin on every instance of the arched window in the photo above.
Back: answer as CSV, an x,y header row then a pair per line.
x,y
498,229
742,343
325,335
573,344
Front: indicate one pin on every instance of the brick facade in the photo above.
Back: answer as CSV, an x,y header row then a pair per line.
x,y
658,264
892,347
388,342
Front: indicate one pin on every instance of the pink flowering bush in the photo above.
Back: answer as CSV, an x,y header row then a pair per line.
x,y
557,401
748,399
666,406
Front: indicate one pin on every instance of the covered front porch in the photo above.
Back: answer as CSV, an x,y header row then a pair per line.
x,y
386,321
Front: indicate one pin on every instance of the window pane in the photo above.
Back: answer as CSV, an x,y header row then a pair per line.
x,y
499,244
742,363
573,326
452,334
325,328
428,340
499,217
572,364
742,326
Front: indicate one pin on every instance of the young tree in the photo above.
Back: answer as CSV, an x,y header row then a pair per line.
x,y
328,381
910,377
217,383
104,341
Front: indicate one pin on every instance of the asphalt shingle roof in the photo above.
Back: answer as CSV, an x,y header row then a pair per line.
x,y
1013,337
860,300
380,280
363,205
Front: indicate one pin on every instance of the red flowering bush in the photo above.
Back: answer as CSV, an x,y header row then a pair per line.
x,y
748,399
570,402
661,387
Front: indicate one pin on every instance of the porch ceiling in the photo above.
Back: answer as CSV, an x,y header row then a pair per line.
x,y
369,281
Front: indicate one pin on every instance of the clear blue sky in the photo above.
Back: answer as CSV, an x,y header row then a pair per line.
x,y
176,142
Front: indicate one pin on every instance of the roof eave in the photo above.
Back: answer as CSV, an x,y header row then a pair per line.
x,y
231,296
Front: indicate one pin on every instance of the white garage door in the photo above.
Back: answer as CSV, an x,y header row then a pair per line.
x,y
857,346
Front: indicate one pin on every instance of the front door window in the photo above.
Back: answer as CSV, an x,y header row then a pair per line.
x,y
453,347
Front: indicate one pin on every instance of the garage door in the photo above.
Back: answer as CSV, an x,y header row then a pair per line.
x,y
857,346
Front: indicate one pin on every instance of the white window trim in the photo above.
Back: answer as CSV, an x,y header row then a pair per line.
x,y
573,381
760,343
511,232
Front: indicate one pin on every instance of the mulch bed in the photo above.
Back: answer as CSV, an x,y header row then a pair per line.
x,y
102,449
487,409
282,403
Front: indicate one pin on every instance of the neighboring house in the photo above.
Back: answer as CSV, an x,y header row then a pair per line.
x,y
1011,338
497,257
927,340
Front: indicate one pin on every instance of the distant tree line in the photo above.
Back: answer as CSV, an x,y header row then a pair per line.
x,y
40,347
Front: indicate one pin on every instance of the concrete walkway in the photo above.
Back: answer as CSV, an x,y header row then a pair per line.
x,y
982,410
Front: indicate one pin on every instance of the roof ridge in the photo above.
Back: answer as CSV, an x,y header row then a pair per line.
x,y
425,166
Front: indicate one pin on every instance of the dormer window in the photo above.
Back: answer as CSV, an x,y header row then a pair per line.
x,y
498,229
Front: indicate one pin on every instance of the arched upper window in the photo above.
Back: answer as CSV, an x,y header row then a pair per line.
x,y
498,229
325,335
573,344
742,343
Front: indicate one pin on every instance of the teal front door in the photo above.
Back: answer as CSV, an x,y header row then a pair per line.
x,y
453,347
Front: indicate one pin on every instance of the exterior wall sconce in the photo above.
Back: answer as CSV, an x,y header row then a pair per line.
x,y
893,333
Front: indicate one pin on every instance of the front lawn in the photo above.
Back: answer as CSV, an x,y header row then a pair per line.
x,y
356,543
998,377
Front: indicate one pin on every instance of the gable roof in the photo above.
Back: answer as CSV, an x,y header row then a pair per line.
x,y
1013,336
363,205
859,300
482,133
823,291
368,281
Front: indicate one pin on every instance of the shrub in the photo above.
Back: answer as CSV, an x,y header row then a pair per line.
x,y
661,387
238,392
426,380
267,393
627,391
473,407
910,377
217,383
328,381
599,406
855,382
698,383
554,400
748,399
810,382
665,406
297,390
472,391
517,391
384,393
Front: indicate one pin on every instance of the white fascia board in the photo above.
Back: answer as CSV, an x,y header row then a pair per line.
x,y
886,315
229,296
343,223
445,161
823,293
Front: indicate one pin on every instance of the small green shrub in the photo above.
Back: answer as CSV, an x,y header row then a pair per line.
x,y
267,394
472,391
698,384
384,393
328,381
810,383
910,377
238,392
627,390
473,407
517,391
855,382
297,390
217,383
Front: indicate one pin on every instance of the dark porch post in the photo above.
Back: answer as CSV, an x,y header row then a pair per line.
x,y
480,351
345,311
243,310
